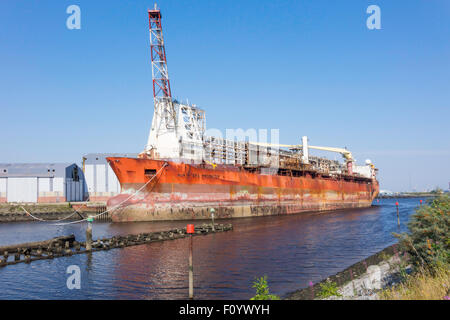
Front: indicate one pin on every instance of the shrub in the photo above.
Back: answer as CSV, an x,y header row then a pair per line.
x,y
262,290
428,239
328,289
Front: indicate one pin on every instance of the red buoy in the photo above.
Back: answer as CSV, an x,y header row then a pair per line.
x,y
190,228
420,200
396,204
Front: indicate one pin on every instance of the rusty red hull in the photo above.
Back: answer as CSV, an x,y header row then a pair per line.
x,y
179,191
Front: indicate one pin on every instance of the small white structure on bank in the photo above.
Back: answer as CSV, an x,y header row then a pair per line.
x,y
41,182
101,181
386,193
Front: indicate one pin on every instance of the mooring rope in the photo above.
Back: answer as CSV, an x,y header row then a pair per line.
x,y
113,208
75,211
65,218
43,220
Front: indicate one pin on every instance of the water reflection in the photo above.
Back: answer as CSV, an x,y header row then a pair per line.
x,y
290,250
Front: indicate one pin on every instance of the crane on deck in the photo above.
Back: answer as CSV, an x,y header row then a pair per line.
x,y
347,155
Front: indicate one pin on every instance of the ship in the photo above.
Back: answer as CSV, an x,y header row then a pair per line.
x,y
184,174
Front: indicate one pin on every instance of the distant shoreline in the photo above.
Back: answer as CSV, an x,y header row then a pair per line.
x,y
409,195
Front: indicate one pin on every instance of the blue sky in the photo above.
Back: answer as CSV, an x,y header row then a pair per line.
x,y
304,67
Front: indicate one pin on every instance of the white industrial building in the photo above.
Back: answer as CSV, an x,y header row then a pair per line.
x,y
101,181
41,182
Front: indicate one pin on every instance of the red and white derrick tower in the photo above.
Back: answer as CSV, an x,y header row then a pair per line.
x,y
161,82
163,130
175,127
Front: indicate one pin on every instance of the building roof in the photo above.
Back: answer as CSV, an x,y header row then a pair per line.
x,y
34,169
101,157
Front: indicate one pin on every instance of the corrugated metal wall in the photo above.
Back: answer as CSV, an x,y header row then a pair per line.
x,y
3,182
89,176
74,190
44,184
113,182
58,184
100,178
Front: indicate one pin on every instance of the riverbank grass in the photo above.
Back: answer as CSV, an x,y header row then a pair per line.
x,y
422,285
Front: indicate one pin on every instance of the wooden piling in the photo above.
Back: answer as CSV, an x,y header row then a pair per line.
x,y
212,218
89,234
37,244
67,246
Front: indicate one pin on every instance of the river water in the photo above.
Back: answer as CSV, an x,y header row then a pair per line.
x,y
291,250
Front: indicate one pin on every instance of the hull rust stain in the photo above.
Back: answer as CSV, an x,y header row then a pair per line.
x,y
183,192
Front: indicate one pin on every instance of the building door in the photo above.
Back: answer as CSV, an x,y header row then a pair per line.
x,y
22,190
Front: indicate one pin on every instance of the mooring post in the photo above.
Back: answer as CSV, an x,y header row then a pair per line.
x,y
398,216
191,270
190,231
420,202
89,234
212,218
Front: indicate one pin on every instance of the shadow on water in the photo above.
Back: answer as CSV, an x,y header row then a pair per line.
x,y
291,250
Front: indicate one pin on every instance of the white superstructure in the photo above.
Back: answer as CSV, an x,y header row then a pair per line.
x,y
180,136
